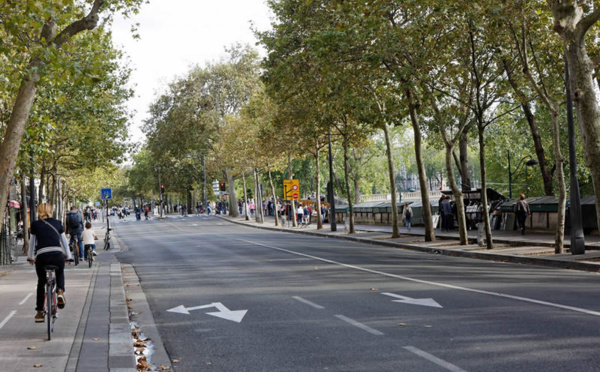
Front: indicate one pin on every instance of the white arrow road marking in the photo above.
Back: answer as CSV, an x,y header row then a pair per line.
x,y
224,312
414,301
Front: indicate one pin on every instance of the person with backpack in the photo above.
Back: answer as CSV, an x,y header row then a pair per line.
x,y
75,228
407,215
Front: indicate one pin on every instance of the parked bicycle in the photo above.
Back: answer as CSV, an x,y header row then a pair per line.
x,y
107,239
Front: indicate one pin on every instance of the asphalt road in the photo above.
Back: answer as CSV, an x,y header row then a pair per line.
x,y
317,304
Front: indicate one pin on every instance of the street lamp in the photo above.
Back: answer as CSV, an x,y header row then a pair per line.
x,y
529,163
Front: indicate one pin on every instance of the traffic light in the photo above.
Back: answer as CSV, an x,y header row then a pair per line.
x,y
222,186
162,189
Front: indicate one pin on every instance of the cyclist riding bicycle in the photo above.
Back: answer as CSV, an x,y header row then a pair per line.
x,y
48,246
75,228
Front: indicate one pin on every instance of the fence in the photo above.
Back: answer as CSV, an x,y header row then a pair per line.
x,y
8,247
406,196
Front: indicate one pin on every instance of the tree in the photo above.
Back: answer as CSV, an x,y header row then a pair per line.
x,y
572,21
33,27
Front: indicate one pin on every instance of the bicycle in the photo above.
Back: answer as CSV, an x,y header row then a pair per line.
x,y
90,254
50,300
73,246
107,239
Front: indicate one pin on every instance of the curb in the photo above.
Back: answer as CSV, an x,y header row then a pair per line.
x,y
538,261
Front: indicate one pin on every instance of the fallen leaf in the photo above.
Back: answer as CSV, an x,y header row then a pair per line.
x,y
96,339
428,326
128,299
32,348
175,360
374,289
401,324
163,368
129,307
37,365
316,268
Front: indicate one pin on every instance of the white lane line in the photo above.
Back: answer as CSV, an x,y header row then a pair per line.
x,y
307,302
434,359
12,313
25,299
443,285
364,327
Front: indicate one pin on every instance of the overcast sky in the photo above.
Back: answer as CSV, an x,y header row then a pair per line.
x,y
176,34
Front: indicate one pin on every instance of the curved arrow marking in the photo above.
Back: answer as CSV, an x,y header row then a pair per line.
x,y
414,301
224,312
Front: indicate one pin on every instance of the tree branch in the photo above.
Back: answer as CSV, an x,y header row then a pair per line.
x,y
89,22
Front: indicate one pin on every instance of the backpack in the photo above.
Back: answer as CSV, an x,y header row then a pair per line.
x,y
408,213
74,221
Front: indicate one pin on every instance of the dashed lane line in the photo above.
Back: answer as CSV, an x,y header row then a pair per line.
x,y
360,325
309,303
25,299
440,362
443,285
12,313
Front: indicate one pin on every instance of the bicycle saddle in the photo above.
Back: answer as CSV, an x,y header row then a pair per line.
x,y
50,267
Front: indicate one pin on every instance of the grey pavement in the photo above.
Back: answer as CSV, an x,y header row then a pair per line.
x,y
533,248
92,333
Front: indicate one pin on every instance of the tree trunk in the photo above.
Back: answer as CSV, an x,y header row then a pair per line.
x,y
458,196
257,198
465,173
233,207
559,236
274,196
484,201
535,134
24,215
318,188
572,26
245,197
391,174
351,229
426,212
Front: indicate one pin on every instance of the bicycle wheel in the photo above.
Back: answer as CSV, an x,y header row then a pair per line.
x,y
75,253
107,242
49,308
90,257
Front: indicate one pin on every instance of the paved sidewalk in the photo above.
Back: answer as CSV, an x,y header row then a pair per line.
x,y
92,333
509,246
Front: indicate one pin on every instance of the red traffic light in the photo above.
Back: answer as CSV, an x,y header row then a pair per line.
x,y
162,189
222,186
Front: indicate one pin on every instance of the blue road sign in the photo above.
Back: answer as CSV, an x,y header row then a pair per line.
x,y
106,194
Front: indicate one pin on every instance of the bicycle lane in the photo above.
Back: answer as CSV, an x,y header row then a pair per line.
x,y
91,333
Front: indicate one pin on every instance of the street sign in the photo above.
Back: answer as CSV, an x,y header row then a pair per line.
x,y
106,194
291,189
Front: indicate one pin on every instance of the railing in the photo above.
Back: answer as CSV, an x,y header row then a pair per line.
x,y
406,196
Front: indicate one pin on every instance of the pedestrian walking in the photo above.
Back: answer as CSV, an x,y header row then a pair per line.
x,y
407,215
522,212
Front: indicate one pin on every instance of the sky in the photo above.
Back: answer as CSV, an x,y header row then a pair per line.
x,y
178,34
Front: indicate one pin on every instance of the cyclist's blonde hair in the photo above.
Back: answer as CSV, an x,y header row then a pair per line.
x,y
44,211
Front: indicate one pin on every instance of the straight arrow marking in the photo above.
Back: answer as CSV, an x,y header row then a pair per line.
x,y
414,301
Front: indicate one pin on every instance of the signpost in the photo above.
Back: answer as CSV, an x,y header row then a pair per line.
x,y
106,195
291,189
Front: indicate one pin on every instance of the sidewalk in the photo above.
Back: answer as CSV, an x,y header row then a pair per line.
x,y
92,333
509,246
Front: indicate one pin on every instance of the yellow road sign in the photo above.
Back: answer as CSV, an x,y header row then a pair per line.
x,y
291,189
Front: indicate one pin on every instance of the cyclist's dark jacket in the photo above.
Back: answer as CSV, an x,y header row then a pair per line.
x,y
44,239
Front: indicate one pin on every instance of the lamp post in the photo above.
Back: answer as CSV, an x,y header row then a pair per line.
x,y
204,191
577,237
331,197
529,163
